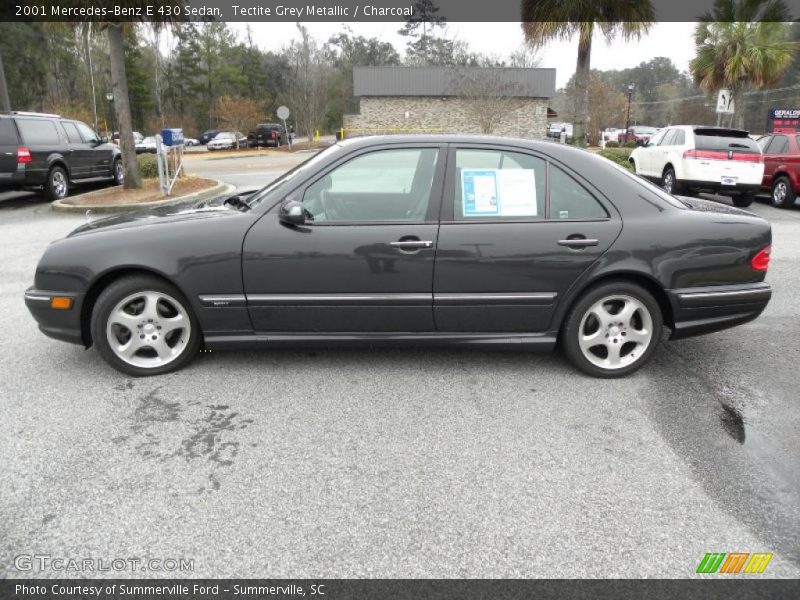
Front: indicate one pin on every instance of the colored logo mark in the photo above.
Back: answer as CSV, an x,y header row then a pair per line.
x,y
734,562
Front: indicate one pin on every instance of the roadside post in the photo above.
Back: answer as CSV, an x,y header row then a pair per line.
x,y
283,114
169,145
725,104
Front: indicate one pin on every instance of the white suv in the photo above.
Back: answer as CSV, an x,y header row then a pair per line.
x,y
690,158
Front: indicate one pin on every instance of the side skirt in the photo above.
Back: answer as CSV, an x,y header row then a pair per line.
x,y
540,343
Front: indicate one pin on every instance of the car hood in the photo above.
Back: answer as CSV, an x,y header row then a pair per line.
x,y
163,215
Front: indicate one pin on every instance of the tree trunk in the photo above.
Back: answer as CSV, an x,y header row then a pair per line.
x,y
4,102
87,38
122,106
738,108
582,72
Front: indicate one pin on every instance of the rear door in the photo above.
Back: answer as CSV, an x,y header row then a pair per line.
x,y
516,232
769,164
9,143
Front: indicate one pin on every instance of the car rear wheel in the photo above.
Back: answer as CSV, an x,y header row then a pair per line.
x,y
57,186
669,182
144,326
612,330
783,195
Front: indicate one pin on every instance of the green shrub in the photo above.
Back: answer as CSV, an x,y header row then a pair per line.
x,y
619,156
629,144
612,144
148,166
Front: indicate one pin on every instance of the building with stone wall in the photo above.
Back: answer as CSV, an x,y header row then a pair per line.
x,y
497,101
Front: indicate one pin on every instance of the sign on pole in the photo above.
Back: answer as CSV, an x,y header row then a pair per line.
x,y
283,114
725,102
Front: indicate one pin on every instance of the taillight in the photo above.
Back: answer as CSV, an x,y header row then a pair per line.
x,y
23,155
273,135
760,261
719,155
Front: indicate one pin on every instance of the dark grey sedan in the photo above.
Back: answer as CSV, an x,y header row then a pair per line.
x,y
476,241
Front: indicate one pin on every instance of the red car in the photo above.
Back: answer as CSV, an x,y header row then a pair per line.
x,y
781,167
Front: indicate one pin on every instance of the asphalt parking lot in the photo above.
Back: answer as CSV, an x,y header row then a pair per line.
x,y
398,463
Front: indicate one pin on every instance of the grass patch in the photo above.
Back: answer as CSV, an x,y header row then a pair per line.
x,y
619,156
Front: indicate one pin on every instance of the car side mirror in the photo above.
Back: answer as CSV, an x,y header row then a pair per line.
x,y
292,212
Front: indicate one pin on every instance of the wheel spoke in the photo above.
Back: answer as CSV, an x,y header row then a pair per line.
x,y
592,340
173,323
640,337
161,348
613,354
626,314
120,317
601,313
150,310
130,348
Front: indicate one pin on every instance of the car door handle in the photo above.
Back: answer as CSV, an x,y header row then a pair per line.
x,y
410,244
578,242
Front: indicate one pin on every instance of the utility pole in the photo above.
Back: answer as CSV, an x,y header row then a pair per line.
x,y
5,103
628,118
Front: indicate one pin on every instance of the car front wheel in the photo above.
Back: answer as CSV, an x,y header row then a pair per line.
x,y
144,326
783,195
612,330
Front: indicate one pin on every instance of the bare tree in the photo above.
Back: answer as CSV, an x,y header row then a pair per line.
x,y
488,95
309,84
238,114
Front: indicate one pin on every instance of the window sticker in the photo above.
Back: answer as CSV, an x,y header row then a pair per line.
x,y
500,192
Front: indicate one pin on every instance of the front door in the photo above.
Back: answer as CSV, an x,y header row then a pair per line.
x,y
363,262
100,155
81,157
507,252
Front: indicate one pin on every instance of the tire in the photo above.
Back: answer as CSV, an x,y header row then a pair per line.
x,y
144,307
57,184
743,201
633,166
669,182
619,349
117,172
783,195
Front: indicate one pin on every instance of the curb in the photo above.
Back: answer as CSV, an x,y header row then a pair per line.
x,y
64,206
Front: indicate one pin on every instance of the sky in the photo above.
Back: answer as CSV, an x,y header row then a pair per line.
x,y
673,40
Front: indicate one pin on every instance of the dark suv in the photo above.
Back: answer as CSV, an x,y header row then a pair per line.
x,y
40,151
267,134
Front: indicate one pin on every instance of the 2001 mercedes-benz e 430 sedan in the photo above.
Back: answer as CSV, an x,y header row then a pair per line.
x,y
412,240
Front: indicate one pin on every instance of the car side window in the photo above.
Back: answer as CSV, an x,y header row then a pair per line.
x,y
780,145
8,135
384,185
668,137
39,131
680,138
497,184
72,132
656,139
89,136
763,142
570,200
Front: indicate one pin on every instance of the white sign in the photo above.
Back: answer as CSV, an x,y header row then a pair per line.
x,y
283,113
500,192
725,102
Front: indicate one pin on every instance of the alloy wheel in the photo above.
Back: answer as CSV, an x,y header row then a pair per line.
x,y
59,184
669,182
615,332
148,329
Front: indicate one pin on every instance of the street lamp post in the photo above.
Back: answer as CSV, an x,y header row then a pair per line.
x,y
628,117
110,98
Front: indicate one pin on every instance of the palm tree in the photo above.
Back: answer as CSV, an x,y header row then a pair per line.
x,y
546,20
742,45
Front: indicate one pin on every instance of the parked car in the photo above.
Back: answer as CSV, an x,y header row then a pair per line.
x,y
44,151
137,137
781,167
267,134
460,240
555,129
640,134
226,140
612,134
191,142
208,135
692,158
147,145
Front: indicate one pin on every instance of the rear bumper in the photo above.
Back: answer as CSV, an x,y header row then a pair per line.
x,y
702,310
63,325
711,186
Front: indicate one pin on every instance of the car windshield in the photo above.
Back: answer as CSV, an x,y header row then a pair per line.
x,y
225,135
149,140
645,130
304,169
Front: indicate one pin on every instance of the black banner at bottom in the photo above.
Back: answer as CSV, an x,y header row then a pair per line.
x,y
395,589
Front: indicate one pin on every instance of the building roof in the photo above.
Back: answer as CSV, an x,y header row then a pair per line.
x,y
444,81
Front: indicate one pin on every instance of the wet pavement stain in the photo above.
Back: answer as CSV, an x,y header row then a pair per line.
x,y
732,422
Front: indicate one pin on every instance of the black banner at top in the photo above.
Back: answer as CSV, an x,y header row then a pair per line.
x,y
368,10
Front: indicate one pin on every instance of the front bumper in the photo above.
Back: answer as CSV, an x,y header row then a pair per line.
x,y
702,310
64,325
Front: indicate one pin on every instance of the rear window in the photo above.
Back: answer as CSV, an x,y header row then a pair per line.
x,y
8,134
723,140
38,131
